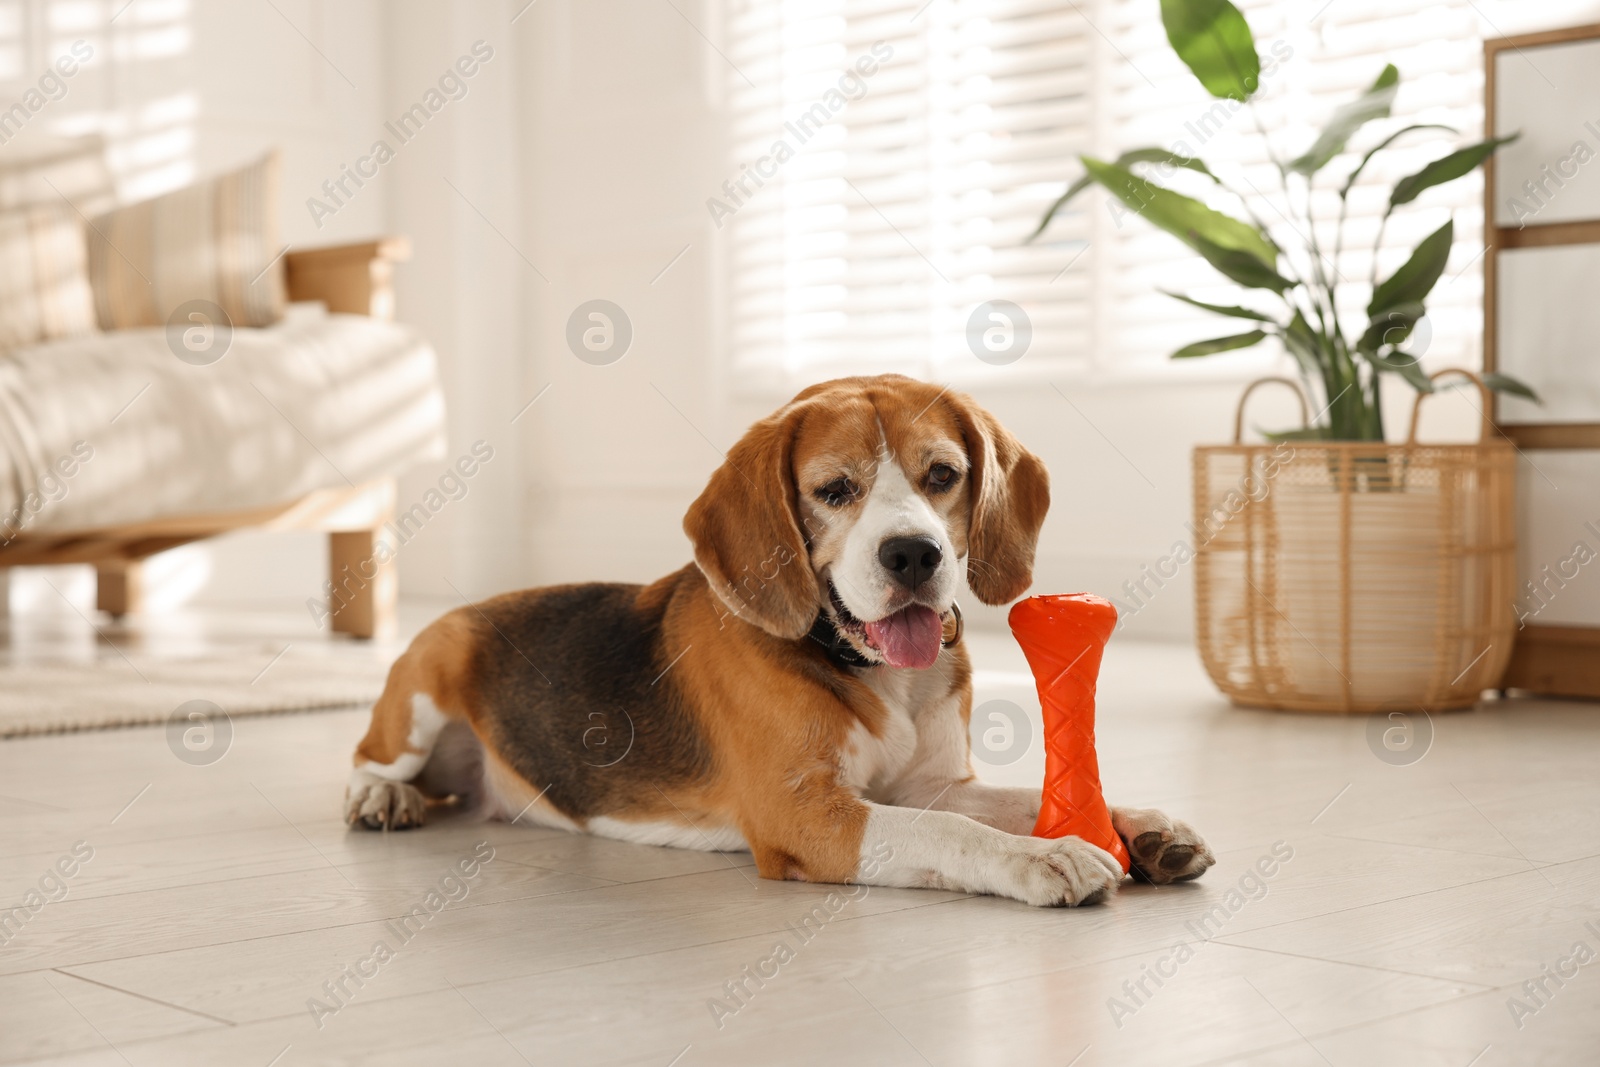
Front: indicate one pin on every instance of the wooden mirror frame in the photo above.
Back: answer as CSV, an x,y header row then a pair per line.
x,y
1557,660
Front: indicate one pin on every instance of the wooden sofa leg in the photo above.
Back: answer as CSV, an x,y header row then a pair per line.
x,y
365,591
119,587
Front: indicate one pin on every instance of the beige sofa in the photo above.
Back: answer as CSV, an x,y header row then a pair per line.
x,y
303,425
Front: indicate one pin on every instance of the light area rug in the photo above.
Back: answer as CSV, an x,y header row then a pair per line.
x,y
130,689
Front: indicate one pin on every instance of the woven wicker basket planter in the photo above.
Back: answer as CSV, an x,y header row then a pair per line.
x,y
1355,577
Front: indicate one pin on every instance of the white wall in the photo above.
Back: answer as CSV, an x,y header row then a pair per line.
x,y
623,141
587,147
622,136
458,191
577,167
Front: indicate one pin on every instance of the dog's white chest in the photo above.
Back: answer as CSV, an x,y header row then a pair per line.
x,y
872,762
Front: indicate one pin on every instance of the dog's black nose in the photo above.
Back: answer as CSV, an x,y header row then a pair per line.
x,y
911,560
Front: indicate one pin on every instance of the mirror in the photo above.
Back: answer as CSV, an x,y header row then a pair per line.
x,y
1542,209
1558,540
1552,173
1549,331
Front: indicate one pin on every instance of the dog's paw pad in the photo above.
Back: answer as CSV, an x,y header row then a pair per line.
x,y
1147,843
1163,850
1176,858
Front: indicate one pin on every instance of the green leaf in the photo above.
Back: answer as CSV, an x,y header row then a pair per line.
x,y
1182,216
1221,309
1372,104
1220,344
1162,155
1412,283
1239,266
1300,332
1405,366
1061,201
1391,327
1137,155
1457,164
1214,40
1385,143
1504,383
1301,341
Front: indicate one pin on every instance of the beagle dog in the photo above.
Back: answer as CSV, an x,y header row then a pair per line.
x,y
800,691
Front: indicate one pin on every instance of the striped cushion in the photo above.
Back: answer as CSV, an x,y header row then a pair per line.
x,y
215,240
44,284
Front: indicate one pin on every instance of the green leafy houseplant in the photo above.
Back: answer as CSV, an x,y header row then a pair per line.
x,y
1345,369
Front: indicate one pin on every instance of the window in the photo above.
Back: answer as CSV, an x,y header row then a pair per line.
x,y
131,89
908,203
891,157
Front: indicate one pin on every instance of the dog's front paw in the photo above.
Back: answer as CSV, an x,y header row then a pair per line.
x,y
1060,872
379,804
1163,849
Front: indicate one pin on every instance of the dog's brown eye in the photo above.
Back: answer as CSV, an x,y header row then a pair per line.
x,y
836,493
941,476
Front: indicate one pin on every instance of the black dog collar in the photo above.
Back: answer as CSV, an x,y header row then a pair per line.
x,y
842,653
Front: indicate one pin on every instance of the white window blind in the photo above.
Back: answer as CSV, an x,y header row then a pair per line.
x,y
869,248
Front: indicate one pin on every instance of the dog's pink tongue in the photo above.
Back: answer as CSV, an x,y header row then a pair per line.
x,y
908,638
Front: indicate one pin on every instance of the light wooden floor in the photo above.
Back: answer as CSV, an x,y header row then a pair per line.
x,y
219,899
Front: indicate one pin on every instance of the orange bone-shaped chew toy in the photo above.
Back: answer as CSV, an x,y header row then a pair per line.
x,y
1063,638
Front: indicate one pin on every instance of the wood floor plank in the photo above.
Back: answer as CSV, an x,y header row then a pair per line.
x,y
268,977
1493,932
616,860
70,933
425,1031
1562,1033
223,905
1216,1004
49,1013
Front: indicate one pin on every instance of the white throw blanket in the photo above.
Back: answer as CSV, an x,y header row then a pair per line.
x,y
313,402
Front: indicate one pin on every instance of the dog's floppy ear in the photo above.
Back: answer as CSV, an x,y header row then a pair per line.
x,y
746,533
1010,495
